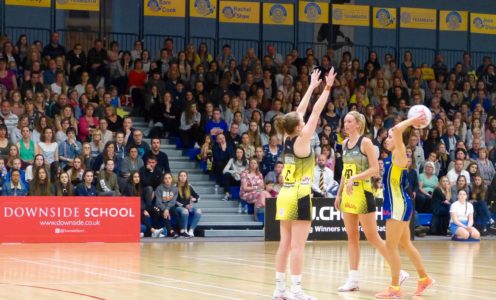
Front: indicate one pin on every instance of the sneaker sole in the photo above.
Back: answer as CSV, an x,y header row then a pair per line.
x,y
430,285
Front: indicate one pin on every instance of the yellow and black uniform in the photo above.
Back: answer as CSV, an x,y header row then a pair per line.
x,y
294,199
361,200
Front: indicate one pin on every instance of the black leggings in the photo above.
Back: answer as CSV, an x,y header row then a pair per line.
x,y
191,136
158,215
229,181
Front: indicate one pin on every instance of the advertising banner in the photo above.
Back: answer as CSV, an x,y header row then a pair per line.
x,y
351,15
239,12
452,20
203,9
69,219
418,18
278,14
384,18
89,5
33,3
313,12
165,8
483,23
327,224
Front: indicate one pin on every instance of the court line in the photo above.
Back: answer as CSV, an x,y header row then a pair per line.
x,y
130,279
161,277
251,264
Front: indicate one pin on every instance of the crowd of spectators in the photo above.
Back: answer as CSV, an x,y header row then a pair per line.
x,y
64,129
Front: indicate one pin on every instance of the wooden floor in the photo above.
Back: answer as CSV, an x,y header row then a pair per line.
x,y
221,270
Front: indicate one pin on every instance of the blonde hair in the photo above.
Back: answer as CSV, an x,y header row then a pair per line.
x,y
360,119
287,123
446,192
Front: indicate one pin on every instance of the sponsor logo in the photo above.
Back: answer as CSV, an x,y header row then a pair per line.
x,y
228,12
278,13
454,20
384,18
406,17
350,205
312,11
204,7
337,14
153,5
305,180
386,213
487,24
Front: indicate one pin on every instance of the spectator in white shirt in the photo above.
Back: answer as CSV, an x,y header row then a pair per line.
x,y
462,218
457,171
323,178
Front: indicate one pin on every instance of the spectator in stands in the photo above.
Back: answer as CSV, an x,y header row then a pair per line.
x,y
136,84
190,126
9,119
63,187
232,137
86,123
108,152
165,113
225,57
323,178
76,172
221,153
47,146
272,152
85,156
462,218
485,166
142,146
86,187
202,57
14,186
97,57
165,204
151,176
34,84
232,171
460,153
26,146
69,149
115,122
107,181
40,185
457,171
186,210
107,135
53,49
162,158
427,182
76,63
96,143
461,184
252,187
477,197
441,198
216,125
247,146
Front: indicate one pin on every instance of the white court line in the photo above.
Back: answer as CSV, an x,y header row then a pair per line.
x,y
312,273
123,278
161,277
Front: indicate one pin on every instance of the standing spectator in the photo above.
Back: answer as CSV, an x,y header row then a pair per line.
x,y
440,204
48,147
462,218
53,49
63,187
165,204
40,185
107,181
86,188
185,208
96,62
232,171
14,187
323,178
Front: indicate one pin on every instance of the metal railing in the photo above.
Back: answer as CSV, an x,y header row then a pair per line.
x,y
32,33
155,42
239,47
125,40
72,36
419,55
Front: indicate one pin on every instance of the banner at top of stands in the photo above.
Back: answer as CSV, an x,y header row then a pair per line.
x,y
482,23
314,12
453,20
203,9
278,14
158,8
239,12
34,3
89,5
351,15
418,18
384,18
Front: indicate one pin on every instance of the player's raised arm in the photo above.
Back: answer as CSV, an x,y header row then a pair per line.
x,y
314,83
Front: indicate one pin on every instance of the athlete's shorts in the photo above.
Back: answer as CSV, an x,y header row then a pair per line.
x,y
294,203
400,208
361,201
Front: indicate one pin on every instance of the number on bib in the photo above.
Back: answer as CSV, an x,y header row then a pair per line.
x,y
348,171
288,173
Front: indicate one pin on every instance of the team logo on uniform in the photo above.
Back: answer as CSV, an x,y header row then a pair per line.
x,y
312,11
228,12
454,20
278,13
384,18
153,5
305,180
204,7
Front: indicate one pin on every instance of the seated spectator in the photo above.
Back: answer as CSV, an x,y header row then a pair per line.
x,y
16,133
274,112
482,215
440,204
254,132
17,165
252,187
131,163
272,152
462,218
76,172
216,125
472,169
87,123
221,154
267,132
443,158
247,146
69,149
232,137
107,153
85,156
86,188
457,171
13,154
115,122
185,208
120,147
142,146
107,135
206,153
96,143
151,177
427,182
461,184
40,185
190,126
449,139
63,187
232,171
4,142
485,166
26,146
40,125
165,204
162,158
107,181
272,175
14,187
323,178
165,113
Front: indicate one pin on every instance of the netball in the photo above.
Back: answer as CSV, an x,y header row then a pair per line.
x,y
416,110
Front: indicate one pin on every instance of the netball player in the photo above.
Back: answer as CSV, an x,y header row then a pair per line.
x,y
293,202
397,210
355,199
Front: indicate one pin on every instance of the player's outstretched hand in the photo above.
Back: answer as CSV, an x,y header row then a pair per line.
x,y
315,78
330,77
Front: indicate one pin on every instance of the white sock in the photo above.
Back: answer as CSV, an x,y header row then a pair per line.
x,y
296,283
353,275
280,281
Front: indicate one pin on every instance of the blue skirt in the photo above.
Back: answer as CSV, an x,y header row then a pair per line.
x,y
454,227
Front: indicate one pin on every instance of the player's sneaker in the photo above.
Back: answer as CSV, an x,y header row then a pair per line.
x,y
403,276
390,293
349,286
281,295
423,285
300,295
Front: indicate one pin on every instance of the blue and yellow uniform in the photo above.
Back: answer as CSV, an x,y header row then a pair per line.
x,y
361,201
294,199
397,202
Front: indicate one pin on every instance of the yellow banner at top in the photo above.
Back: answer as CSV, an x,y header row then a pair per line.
x,y
239,12
165,8
278,14
453,20
313,12
203,9
418,18
34,3
384,18
351,15
483,23
87,5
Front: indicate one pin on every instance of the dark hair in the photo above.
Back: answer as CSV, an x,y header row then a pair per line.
x,y
70,129
244,162
151,157
136,189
